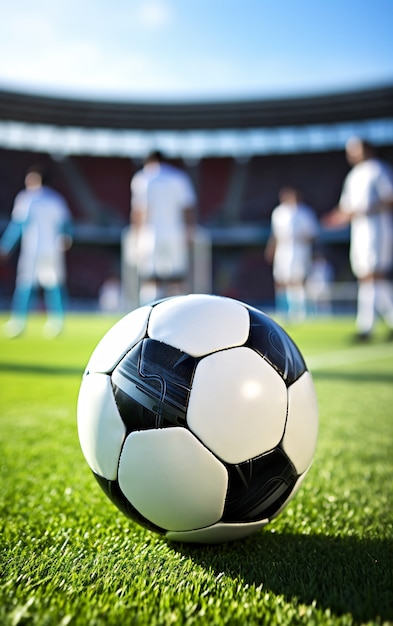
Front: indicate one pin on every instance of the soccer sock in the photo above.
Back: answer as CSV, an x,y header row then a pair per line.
x,y
54,302
297,302
384,300
366,307
21,302
281,302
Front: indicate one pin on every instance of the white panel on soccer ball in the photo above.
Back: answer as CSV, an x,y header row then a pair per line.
x,y
237,405
301,432
200,324
218,533
172,479
118,340
100,427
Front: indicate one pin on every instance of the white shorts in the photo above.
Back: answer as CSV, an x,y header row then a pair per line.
x,y
371,249
291,266
48,271
163,256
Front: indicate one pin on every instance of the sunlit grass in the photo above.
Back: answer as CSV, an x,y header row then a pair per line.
x,y
68,556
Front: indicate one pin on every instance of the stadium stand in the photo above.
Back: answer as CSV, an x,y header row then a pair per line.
x,y
214,175
318,175
108,178
236,192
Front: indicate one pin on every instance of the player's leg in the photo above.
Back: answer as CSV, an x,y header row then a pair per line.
x,y
296,295
54,302
384,300
280,299
51,276
365,316
281,277
21,301
26,281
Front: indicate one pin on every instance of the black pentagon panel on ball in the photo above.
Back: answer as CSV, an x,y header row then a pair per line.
x,y
274,344
112,490
152,384
258,487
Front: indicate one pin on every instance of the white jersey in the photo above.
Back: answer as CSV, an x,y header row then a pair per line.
x,y
294,228
161,193
366,185
43,215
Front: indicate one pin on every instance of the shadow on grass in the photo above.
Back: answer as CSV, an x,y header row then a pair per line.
x,y
345,575
39,370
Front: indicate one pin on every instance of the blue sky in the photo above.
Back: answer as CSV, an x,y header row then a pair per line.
x,y
194,49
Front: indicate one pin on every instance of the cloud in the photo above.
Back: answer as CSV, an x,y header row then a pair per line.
x,y
46,48
154,14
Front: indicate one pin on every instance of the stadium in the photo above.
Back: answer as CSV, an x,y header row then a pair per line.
x,y
238,155
68,557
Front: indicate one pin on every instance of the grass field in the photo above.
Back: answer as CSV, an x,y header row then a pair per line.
x,y
68,556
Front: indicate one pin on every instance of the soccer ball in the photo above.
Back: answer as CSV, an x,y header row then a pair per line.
x,y
198,418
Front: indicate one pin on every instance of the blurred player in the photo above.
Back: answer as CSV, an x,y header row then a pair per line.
x,y
162,218
294,228
318,284
41,221
366,203
109,295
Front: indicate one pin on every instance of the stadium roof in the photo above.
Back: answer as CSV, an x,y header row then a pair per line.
x,y
373,103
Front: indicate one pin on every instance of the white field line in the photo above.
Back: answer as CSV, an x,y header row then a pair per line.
x,y
360,354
